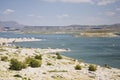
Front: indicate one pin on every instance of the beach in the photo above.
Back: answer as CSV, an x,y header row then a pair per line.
x,y
13,40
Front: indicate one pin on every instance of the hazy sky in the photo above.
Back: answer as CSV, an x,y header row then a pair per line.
x,y
60,12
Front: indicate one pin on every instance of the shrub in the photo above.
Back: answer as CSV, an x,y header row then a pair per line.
x,y
1,50
38,57
28,60
57,54
59,57
3,43
78,67
35,63
17,75
92,68
17,47
24,65
49,63
57,70
53,57
32,62
4,58
17,65
107,66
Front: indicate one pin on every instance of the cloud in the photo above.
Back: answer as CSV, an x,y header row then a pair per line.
x,y
63,16
91,20
105,2
97,2
117,9
32,15
70,1
39,16
8,11
94,19
110,13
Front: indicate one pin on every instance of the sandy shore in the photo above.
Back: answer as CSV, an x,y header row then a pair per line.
x,y
10,40
60,69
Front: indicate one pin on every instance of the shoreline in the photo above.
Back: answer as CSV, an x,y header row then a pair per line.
x,y
13,40
58,69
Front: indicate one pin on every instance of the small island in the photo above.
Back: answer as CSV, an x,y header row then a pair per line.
x,y
97,33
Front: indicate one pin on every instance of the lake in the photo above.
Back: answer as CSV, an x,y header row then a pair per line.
x,y
97,50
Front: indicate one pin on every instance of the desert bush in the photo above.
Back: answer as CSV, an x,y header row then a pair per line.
x,y
32,62
1,50
78,67
3,43
38,57
35,63
17,47
28,60
16,65
4,58
17,75
107,66
24,65
59,57
48,63
57,70
57,54
92,68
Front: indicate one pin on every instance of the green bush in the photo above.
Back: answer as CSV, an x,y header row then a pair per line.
x,y
57,54
48,63
78,67
35,63
28,60
24,65
107,66
4,58
17,47
38,57
3,43
92,68
1,50
59,57
32,62
17,65
17,75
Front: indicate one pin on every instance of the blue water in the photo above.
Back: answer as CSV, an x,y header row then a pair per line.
x,y
91,50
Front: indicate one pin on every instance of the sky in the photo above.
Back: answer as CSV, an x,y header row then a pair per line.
x,y
60,12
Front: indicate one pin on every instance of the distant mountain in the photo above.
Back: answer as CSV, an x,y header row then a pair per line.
x,y
15,26
114,26
117,25
10,24
69,28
